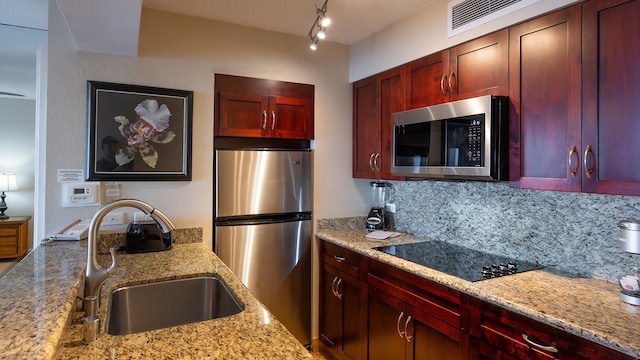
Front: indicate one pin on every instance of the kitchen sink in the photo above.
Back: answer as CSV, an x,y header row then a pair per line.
x,y
168,303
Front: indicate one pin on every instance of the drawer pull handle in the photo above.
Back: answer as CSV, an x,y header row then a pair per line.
x,y
339,258
573,171
338,293
333,287
401,333
406,333
549,348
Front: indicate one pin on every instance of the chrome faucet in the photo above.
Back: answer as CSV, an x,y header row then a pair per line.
x,y
96,274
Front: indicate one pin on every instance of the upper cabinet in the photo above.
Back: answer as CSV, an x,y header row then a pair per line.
x,y
475,68
479,67
258,108
611,97
574,89
374,100
544,91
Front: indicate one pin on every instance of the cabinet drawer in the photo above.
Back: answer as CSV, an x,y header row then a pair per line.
x,y
8,240
441,302
9,231
525,338
341,258
8,250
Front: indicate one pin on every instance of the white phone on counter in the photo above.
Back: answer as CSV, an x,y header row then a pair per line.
x,y
77,230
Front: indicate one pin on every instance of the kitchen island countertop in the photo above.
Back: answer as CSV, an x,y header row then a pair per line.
x,y
589,308
40,318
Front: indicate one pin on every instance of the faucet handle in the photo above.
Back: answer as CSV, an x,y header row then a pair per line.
x,y
112,268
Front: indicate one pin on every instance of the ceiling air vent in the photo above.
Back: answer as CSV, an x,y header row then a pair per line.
x,y
464,15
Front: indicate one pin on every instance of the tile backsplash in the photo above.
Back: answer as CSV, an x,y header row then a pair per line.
x,y
568,232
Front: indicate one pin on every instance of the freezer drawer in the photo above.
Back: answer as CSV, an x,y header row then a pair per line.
x,y
251,182
274,262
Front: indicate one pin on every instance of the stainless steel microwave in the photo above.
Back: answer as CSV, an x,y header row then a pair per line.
x,y
465,140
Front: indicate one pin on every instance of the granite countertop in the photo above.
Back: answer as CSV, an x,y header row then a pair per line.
x,y
41,318
588,308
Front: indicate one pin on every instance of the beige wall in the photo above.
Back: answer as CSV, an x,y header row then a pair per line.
x,y
425,33
183,52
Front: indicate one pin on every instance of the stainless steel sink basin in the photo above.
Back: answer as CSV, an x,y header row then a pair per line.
x,y
168,303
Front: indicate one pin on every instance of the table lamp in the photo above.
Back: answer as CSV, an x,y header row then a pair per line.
x,y
7,183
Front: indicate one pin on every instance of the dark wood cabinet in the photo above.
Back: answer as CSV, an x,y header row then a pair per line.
x,y
427,80
372,310
479,67
610,97
475,68
258,108
502,334
574,88
366,128
374,100
342,295
544,90
412,318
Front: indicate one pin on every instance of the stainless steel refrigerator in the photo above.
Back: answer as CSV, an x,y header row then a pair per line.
x,y
263,202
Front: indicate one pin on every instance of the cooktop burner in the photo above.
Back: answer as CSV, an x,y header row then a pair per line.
x,y
469,264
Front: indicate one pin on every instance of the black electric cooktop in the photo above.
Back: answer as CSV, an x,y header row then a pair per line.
x,y
469,264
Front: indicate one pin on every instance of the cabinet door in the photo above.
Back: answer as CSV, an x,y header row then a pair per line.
x,y
480,67
330,309
342,314
391,85
432,339
545,119
387,319
427,80
290,117
611,75
242,114
366,128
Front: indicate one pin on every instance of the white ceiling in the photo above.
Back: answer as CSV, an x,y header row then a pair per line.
x,y
22,25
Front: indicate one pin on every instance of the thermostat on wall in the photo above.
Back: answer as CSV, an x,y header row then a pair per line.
x,y
80,194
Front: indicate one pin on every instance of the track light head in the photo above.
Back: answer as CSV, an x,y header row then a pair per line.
x,y
317,31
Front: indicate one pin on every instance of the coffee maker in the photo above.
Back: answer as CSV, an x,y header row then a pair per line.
x,y
380,193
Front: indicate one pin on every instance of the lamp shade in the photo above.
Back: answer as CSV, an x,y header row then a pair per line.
x,y
8,182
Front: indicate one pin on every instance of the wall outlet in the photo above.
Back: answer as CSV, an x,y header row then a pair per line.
x,y
140,216
114,218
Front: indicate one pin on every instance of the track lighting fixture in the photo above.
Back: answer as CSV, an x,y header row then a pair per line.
x,y
317,31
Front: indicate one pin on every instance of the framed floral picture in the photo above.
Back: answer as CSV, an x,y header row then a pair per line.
x,y
138,133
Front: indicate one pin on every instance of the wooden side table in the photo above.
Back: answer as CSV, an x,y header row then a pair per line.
x,y
14,241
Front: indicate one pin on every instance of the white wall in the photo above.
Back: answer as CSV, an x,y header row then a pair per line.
x,y
425,33
183,52
17,121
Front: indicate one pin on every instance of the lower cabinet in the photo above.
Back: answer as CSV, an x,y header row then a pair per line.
x,y
372,310
342,320
342,315
398,330
502,334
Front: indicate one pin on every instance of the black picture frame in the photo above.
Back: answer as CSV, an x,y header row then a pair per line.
x,y
149,128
